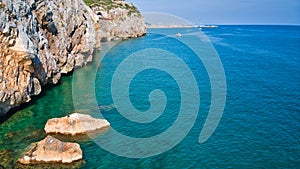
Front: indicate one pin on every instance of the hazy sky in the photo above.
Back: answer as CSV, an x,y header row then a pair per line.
x,y
227,11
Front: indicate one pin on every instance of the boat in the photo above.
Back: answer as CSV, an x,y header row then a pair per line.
x,y
197,26
178,34
208,26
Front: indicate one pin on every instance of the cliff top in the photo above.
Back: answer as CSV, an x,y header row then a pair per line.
x,y
112,4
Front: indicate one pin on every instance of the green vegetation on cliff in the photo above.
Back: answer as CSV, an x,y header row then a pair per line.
x,y
110,4
92,3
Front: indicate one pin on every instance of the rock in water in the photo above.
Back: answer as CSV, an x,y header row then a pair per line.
x,y
75,124
52,150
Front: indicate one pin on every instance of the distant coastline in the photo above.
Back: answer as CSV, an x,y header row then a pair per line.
x,y
170,26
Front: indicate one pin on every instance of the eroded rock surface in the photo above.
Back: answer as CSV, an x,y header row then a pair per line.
x,y
118,20
52,150
75,124
42,39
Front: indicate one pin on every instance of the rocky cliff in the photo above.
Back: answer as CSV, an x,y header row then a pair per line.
x,y
42,39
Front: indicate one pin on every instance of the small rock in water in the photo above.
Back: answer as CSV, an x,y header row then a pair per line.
x,y
75,124
52,150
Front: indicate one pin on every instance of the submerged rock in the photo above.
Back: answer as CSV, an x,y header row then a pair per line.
x,y
74,165
6,158
52,150
75,124
107,108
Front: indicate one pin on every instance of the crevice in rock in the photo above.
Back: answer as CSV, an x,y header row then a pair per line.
x,y
70,48
73,31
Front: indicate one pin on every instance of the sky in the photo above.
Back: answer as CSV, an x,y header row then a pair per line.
x,y
281,12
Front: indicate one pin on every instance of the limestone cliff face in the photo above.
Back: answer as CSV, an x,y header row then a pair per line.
x,y
119,20
42,39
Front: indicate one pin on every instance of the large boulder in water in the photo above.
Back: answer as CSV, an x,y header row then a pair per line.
x,y
75,124
52,150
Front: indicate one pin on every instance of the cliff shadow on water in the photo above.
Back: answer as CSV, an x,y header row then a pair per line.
x,y
34,99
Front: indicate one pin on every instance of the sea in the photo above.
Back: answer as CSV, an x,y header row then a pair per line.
x,y
238,86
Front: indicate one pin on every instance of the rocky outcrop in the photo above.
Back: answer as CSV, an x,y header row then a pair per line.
x,y
75,124
119,20
52,150
42,39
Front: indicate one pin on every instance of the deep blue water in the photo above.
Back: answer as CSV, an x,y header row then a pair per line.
x,y
260,126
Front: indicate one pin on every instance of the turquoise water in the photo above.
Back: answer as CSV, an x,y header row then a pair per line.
x,y
260,127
